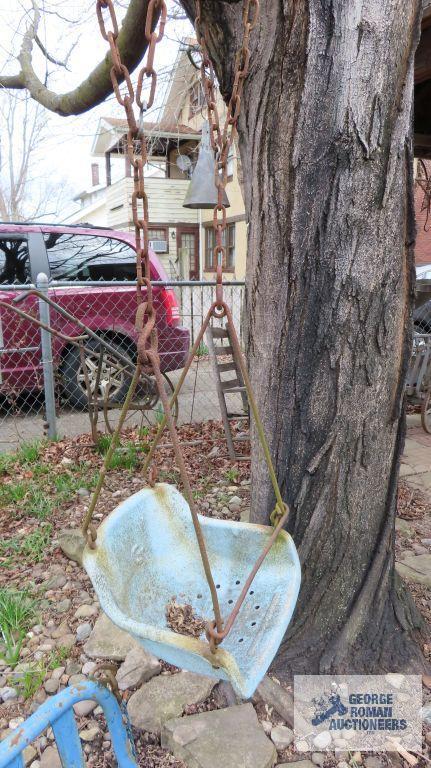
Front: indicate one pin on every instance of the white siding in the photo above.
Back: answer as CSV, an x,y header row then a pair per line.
x,y
165,199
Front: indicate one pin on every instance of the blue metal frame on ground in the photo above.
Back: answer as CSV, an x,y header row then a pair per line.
x,y
57,712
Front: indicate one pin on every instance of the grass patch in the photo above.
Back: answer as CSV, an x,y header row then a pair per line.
x,y
27,454
58,657
30,680
17,615
202,350
30,548
41,487
124,456
232,475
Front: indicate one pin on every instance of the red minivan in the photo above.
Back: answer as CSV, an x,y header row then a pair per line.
x,y
71,255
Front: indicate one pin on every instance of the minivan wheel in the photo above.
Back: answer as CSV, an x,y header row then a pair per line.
x,y
112,376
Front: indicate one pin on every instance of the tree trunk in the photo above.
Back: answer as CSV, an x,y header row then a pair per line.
x,y
326,147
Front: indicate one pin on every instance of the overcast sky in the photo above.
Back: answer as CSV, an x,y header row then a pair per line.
x,y
66,151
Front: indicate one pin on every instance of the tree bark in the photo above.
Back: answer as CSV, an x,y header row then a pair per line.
x,y
326,148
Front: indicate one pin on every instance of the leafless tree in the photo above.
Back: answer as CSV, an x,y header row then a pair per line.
x,y
326,146
25,191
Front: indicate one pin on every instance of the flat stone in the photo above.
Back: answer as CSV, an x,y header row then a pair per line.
x,y
108,641
234,503
426,714
165,697
322,740
281,736
63,605
29,753
318,758
15,722
416,568
83,632
86,611
72,543
84,708
89,667
230,737
297,764
373,762
61,630
138,667
58,672
52,685
7,693
302,745
275,696
73,667
76,679
66,641
50,758
89,734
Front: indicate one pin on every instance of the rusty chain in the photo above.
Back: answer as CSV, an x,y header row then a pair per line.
x,y
222,139
136,148
148,358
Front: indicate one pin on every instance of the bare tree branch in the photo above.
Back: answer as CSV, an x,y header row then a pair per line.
x,y
97,86
50,58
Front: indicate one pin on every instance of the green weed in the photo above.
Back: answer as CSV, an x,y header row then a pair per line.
x,y
124,457
30,548
17,614
202,350
43,492
30,680
159,414
58,656
28,453
232,475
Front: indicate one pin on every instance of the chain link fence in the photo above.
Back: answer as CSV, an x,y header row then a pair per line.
x,y
46,393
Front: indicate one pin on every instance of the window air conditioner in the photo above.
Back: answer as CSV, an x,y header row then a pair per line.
x,y
159,246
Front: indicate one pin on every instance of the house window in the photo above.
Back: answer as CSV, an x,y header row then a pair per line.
x,y
228,240
197,98
159,234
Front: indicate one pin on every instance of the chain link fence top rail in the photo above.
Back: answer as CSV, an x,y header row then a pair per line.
x,y
108,309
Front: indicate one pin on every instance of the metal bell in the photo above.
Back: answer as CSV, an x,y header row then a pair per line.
x,y
202,191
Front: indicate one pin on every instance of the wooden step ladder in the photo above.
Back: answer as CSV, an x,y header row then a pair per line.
x,y
216,336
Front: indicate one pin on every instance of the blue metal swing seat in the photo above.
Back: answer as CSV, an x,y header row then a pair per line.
x,y
146,553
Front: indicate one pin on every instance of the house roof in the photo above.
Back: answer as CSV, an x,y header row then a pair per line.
x,y
183,76
157,128
110,129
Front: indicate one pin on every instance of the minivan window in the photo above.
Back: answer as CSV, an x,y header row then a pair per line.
x,y
89,257
14,261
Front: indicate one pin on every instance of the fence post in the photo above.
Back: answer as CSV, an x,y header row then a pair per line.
x,y
47,362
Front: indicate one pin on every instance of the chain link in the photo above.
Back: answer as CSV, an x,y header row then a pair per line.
x,y
136,149
222,138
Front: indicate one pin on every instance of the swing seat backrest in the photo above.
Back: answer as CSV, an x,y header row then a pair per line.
x,y
146,553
